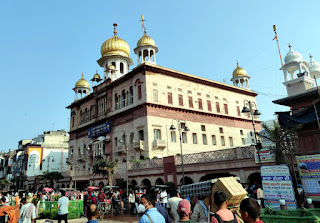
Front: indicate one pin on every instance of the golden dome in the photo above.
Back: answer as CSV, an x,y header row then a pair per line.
x,y
82,83
239,71
111,67
96,76
115,46
146,40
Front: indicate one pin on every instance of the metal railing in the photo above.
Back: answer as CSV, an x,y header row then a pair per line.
x,y
144,164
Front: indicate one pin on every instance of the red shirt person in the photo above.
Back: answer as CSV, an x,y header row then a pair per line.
x,y
250,211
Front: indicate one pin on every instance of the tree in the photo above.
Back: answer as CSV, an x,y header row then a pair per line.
x,y
51,176
282,139
4,183
106,168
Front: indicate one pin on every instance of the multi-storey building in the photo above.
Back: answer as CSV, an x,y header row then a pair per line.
x,y
128,115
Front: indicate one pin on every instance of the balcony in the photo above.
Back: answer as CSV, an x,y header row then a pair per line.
x,y
69,160
138,145
81,158
159,144
120,149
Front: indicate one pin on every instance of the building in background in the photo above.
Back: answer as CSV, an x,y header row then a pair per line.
x,y
129,113
45,153
301,78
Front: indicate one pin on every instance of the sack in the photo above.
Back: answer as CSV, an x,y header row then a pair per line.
x,y
29,211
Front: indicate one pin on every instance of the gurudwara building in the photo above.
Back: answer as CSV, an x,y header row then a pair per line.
x,y
137,112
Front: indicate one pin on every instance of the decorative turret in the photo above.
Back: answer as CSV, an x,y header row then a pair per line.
x,y
240,77
146,48
299,79
96,79
115,51
81,89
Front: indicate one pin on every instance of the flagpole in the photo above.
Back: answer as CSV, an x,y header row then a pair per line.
x,y
276,37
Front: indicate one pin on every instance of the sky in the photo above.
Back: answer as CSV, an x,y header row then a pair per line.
x,y
46,45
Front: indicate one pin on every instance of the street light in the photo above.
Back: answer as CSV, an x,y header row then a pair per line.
x,y
127,160
185,129
253,113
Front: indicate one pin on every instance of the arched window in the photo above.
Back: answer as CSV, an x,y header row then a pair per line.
x,y
116,101
131,95
91,112
121,68
81,117
127,101
123,98
86,115
114,64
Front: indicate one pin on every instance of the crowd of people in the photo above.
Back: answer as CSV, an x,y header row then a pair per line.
x,y
156,206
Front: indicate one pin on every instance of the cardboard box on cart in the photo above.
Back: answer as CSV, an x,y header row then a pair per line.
x,y
232,188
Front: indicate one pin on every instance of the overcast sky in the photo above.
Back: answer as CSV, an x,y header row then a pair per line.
x,y
46,45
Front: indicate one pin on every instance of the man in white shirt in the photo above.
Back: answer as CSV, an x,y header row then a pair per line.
x,y
164,198
173,203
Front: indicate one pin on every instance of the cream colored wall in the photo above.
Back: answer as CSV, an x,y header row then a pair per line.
x,y
162,83
195,127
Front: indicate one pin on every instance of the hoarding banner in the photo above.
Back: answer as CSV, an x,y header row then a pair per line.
x,y
309,170
34,160
99,130
267,155
277,184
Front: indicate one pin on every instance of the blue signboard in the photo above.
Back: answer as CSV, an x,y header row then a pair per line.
x,y
99,130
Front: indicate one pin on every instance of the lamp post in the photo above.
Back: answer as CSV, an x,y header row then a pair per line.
x,y
255,112
127,162
185,129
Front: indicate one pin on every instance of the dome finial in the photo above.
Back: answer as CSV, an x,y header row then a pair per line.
x,y
290,47
144,30
115,28
237,63
82,75
310,57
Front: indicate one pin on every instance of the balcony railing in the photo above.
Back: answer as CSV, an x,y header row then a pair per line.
x,y
216,156
121,149
159,144
138,145
145,164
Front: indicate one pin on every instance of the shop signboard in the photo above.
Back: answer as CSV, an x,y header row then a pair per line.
x,y
35,155
277,185
309,170
99,130
267,155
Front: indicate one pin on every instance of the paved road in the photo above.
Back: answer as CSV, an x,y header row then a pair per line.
x,y
114,219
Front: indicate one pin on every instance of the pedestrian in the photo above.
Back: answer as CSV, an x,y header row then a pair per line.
x,y
260,196
250,211
85,202
173,203
163,212
16,199
28,212
164,198
184,211
101,196
132,201
63,204
223,214
158,197
92,213
200,211
151,214
302,199
92,199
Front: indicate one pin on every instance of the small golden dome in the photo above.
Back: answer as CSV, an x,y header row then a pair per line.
x,y
239,71
82,83
115,46
96,76
146,40
111,67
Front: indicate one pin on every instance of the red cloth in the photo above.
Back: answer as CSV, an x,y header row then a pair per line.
x,y
258,221
13,213
101,196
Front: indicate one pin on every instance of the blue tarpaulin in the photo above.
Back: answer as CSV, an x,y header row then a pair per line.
x,y
307,116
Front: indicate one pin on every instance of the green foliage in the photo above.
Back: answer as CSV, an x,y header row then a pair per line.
x,y
106,168
282,138
35,200
45,214
54,214
4,182
170,185
56,198
51,176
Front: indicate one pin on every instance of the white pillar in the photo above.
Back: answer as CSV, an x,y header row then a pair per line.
x,y
149,59
76,95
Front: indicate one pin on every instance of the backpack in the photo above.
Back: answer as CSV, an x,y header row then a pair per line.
x,y
221,221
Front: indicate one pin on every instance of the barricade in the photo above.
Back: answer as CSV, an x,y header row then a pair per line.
x,y
270,215
49,209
